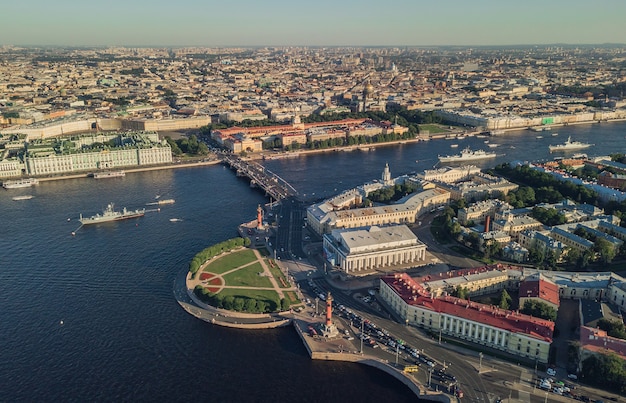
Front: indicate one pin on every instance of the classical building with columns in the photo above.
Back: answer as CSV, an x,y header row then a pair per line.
x,y
508,331
360,250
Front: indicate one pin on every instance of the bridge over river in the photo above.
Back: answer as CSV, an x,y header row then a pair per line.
x,y
274,185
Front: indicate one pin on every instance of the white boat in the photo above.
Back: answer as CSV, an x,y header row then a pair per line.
x,y
20,183
496,132
176,219
454,145
467,155
569,145
554,134
541,128
108,174
25,197
492,145
539,137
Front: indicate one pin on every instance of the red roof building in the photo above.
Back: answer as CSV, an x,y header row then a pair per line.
x,y
509,331
598,341
540,289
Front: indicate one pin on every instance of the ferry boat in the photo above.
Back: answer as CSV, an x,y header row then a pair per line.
x,y
111,215
467,155
569,145
24,197
108,174
20,183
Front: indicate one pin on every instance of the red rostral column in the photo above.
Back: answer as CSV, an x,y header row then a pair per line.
x,y
259,217
329,309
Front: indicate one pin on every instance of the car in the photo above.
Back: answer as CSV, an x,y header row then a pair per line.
x,y
545,385
551,372
558,391
572,376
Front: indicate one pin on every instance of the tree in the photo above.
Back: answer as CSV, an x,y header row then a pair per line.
x,y
474,240
605,370
284,304
261,306
539,309
460,292
251,305
238,304
175,149
613,328
228,302
492,248
505,300
605,249
573,256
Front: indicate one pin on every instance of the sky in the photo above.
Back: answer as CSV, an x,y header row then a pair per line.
x,y
224,23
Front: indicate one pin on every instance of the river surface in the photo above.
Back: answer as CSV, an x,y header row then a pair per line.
x,y
92,317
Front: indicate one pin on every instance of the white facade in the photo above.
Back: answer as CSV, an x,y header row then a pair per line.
x,y
359,250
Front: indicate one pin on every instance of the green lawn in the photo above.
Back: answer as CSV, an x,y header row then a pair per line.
x,y
248,277
259,295
277,274
433,129
231,261
292,298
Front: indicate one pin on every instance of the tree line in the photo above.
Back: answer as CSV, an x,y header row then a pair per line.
x,y
201,257
189,146
240,303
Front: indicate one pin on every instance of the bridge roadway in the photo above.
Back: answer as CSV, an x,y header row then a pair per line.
x,y
274,185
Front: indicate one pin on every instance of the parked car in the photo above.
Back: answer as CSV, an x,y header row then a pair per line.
x,y
551,372
572,376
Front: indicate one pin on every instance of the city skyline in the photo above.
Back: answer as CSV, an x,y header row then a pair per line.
x,y
324,23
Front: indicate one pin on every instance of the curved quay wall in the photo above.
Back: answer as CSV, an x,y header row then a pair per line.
x,y
187,300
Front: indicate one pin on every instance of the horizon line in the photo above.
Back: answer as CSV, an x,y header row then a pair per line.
x,y
312,46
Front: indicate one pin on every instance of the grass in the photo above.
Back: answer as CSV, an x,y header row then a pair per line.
x,y
231,261
292,298
433,129
248,277
277,274
259,295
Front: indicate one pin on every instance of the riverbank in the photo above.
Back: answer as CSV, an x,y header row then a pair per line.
x,y
126,170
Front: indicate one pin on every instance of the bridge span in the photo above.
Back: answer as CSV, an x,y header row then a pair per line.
x,y
272,184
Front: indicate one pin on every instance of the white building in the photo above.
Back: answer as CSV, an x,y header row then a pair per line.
x,y
362,249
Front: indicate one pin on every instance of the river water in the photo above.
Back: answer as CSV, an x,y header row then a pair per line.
x,y
93,317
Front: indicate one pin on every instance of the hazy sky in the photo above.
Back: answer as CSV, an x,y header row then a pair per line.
x,y
320,22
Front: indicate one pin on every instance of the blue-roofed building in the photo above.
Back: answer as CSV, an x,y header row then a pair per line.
x,y
616,242
612,229
572,240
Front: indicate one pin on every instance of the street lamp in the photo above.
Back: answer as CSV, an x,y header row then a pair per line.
x,y
397,354
362,335
480,362
316,301
430,373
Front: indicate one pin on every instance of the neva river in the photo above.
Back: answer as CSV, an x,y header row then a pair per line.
x,y
93,317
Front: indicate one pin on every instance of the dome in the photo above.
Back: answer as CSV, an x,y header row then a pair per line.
x,y
368,89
